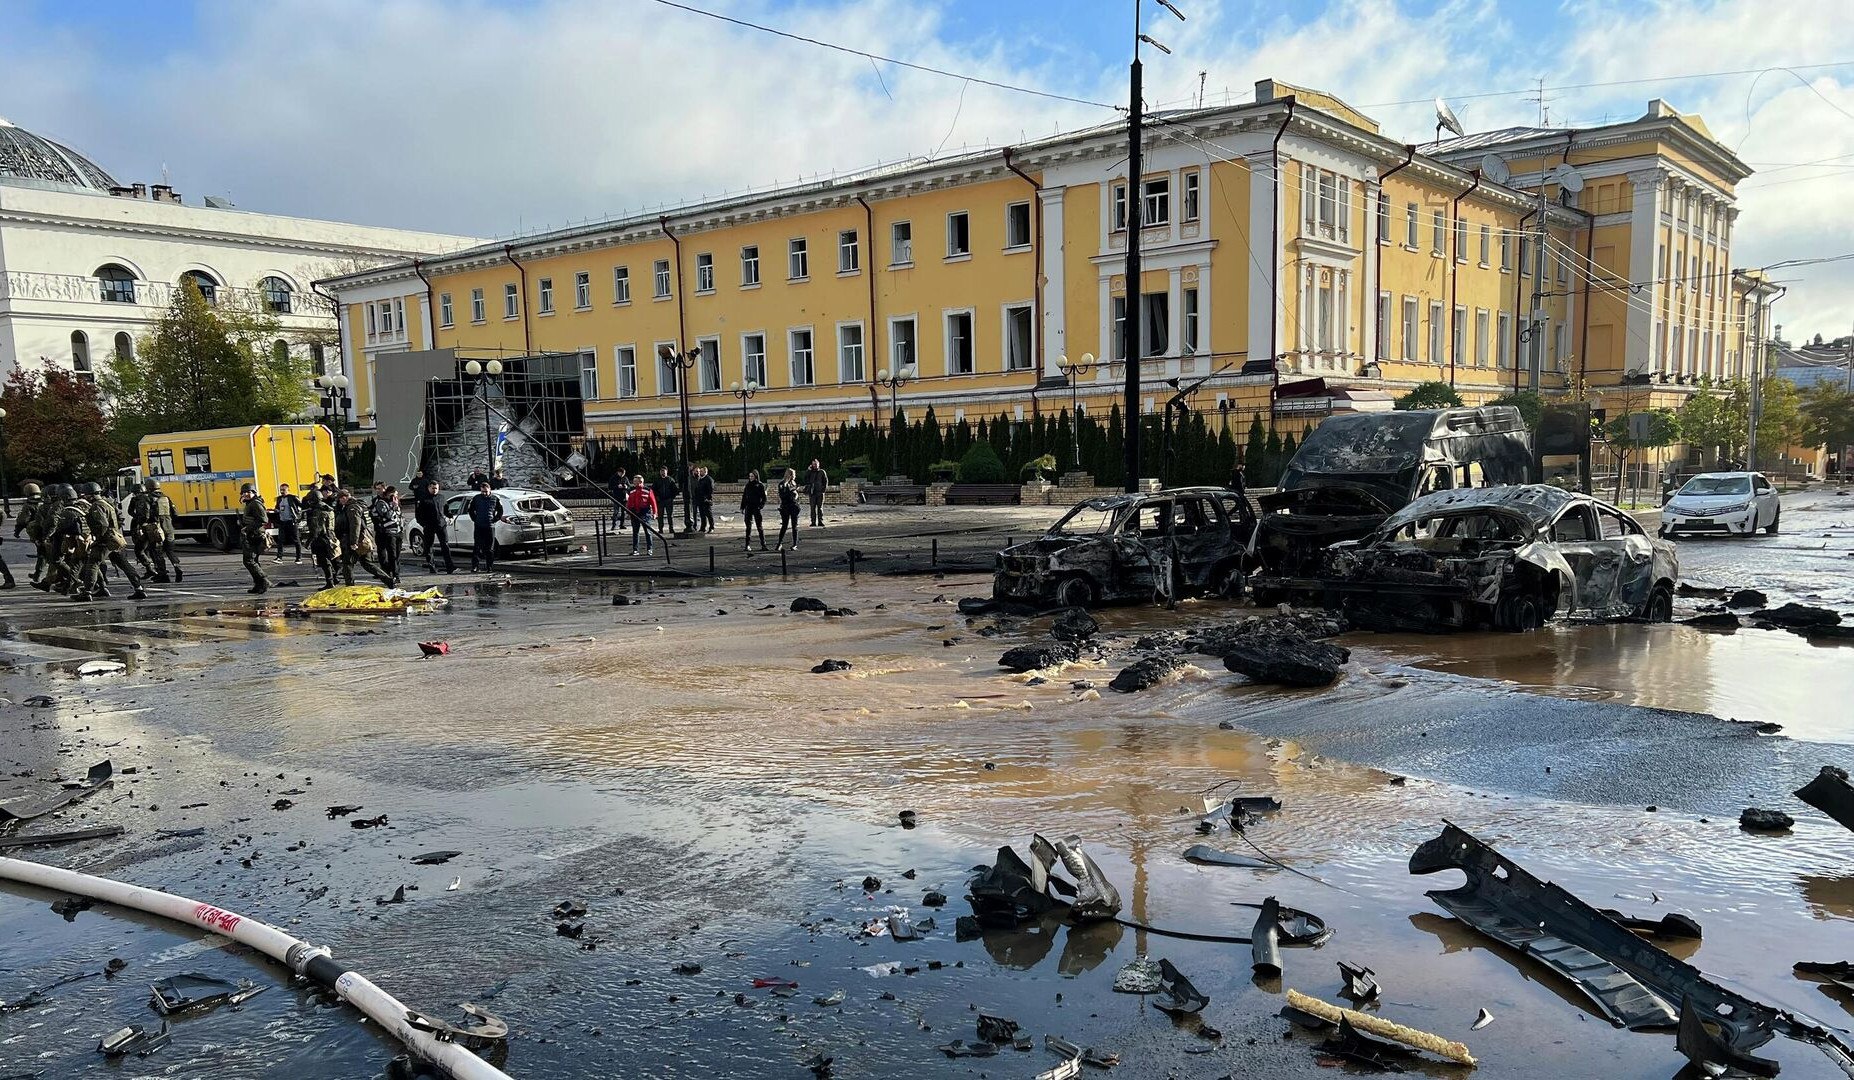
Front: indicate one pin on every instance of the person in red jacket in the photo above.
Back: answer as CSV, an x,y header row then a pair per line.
x,y
642,505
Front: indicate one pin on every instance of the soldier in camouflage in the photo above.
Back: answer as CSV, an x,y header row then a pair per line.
x,y
354,531
153,518
70,540
26,523
252,537
106,545
319,528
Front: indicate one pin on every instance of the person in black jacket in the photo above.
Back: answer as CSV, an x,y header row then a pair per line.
x,y
752,501
817,481
666,490
788,507
704,496
431,523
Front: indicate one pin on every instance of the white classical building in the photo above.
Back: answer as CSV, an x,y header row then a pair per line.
x,y
87,264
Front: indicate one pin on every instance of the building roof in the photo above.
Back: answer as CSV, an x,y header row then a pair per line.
x,y
26,156
1487,140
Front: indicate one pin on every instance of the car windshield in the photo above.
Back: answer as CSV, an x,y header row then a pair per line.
x,y
1085,521
1717,485
1479,524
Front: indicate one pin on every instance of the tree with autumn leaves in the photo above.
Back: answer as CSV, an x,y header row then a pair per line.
x,y
55,429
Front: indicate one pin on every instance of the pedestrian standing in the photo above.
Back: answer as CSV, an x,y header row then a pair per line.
x,y
641,503
355,533
387,526
704,496
752,502
252,537
817,481
289,510
665,489
485,511
620,486
788,508
432,527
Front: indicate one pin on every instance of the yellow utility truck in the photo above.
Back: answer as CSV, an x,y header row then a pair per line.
x,y
202,471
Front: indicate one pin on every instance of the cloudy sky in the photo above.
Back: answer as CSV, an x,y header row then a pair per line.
x,y
492,117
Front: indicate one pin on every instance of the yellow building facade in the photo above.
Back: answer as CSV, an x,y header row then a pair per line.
x,y
1285,241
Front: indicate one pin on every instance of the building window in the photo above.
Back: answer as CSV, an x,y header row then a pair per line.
x,y
117,284
125,347
797,260
1156,207
1409,226
708,365
625,360
1506,250
1018,319
669,374
1383,218
209,289
958,234
1188,346
705,273
1461,240
1680,269
903,344
749,266
1438,228
1486,244
547,296
511,302
1384,326
901,243
621,284
1481,331
1435,332
660,279
373,320
1017,225
477,313
589,376
276,295
1326,199
799,345
850,353
1117,207
1409,328
753,358
849,252
1156,323
1326,311
1525,253
1458,336
399,316
444,309
959,343
1117,327
1504,349
582,291
1192,179
80,356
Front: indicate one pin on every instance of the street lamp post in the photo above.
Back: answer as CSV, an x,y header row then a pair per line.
x,y
1074,370
745,394
6,501
680,363
474,369
1135,208
894,381
333,390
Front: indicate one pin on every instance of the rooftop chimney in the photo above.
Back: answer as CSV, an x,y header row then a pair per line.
x,y
138,191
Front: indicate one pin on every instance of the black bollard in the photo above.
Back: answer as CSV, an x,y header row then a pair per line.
x,y
936,551
782,568
711,560
852,562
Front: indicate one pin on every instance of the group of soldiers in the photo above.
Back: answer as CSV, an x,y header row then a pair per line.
x,y
77,534
337,526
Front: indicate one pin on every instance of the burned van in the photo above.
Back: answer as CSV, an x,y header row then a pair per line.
x,y
1356,470
1158,544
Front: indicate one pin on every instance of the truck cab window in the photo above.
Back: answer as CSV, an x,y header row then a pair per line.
x,y
196,459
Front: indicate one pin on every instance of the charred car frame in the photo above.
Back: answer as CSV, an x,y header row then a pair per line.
x,y
1149,545
1507,557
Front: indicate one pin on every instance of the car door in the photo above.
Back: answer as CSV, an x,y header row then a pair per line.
x,y
1203,537
457,527
1634,560
1594,563
1764,498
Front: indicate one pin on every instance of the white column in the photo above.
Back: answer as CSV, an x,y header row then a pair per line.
x,y
1264,313
1644,227
1054,313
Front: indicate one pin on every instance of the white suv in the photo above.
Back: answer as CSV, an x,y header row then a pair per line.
x,y
1738,503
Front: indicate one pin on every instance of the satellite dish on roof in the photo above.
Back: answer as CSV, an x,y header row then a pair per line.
x,y
1567,178
1494,168
1446,118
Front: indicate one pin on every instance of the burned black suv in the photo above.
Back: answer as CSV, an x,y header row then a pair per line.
x,y
1160,544
1356,470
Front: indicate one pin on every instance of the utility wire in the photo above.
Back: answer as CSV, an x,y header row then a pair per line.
x,y
885,59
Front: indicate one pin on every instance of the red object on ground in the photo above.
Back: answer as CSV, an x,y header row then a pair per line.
x,y
435,648
762,984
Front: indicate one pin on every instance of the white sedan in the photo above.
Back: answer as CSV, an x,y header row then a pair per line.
x,y
1733,503
531,521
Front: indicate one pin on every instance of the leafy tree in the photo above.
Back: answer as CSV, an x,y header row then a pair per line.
x,y
1530,405
981,465
1780,422
1255,452
1661,429
1828,417
1429,395
1715,419
54,428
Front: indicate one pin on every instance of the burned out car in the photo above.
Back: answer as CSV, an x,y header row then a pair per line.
x,y
1133,547
1509,557
1353,471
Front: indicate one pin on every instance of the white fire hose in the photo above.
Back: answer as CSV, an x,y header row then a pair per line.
x,y
309,961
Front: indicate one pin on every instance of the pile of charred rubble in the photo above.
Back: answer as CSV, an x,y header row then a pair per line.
x,y
1613,960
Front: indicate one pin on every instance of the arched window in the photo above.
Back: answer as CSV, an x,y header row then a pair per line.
x,y
276,295
80,355
117,283
316,359
280,354
125,347
209,289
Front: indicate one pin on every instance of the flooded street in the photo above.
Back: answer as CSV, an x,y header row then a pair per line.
x,y
677,766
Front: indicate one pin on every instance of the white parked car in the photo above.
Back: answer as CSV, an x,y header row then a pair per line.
x,y
531,521
1726,502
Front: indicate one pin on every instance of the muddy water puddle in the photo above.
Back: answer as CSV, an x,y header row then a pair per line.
x,y
691,760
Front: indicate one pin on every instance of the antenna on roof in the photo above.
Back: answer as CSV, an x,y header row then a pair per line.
x,y
1538,97
1201,76
1446,118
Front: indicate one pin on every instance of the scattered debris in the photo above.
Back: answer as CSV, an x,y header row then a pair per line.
x,y
456,883
1755,819
1264,940
368,823
195,993
28,807
434,858
480,1032
907,821
621,600
434,648
1446,1049
101,667
831,665
570,909
1360,984
1709,1050
1140,976
1144,673
1347,1043
808,603
1481,1020
958,1049
1717,620
1794,615
133,1039
687,968
1289,660
872,884
1176,994
570,929
1839,972
1750,598
1204,855
71,837
39,701
1830,793
934,899
1043,655
819,1065
996,1029
1671,925
69,906
282,804
1073,624
398,897
829,1000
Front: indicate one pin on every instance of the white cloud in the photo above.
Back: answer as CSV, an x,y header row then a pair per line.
x,y
486,118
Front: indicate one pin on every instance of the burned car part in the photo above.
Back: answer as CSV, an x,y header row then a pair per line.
x,y
1829,792
1361,984
1205,855
27,806
1176,993
1628,980
1446,1049
1350,1044
133,1039
192,992
1094,896
1133,547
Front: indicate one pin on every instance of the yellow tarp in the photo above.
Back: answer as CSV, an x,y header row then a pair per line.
x,y
369,599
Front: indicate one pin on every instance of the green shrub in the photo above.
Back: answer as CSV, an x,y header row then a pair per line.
x,y
981,465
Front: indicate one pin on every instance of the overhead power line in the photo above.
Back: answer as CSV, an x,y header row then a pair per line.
x,y
886,59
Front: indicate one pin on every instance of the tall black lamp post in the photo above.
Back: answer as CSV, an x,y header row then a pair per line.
x,y
745,394
482,373
894,381
1074,370
680,363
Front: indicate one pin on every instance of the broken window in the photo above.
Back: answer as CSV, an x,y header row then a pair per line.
x,y
1574,527
1157,322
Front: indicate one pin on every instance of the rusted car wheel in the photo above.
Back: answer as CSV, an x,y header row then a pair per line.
x,y
1660,607
1075,592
